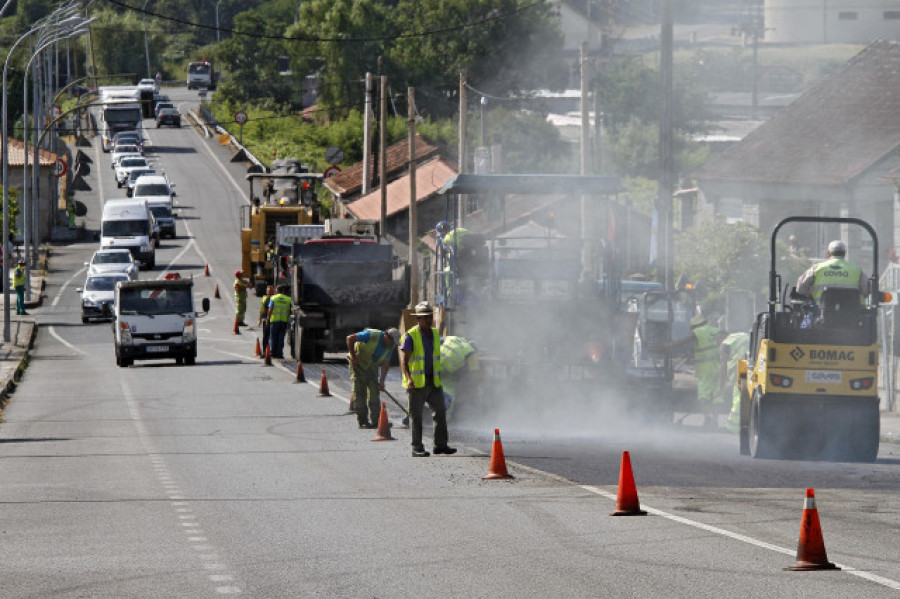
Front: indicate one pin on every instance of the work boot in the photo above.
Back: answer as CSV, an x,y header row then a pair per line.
x,y
446,450
419,452
366,425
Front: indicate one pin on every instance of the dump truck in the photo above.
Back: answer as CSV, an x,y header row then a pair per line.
x,y
288,197
809,385
341,283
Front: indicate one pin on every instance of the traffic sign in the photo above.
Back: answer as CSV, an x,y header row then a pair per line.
x,y
60,168
334,155
57,111
240,117
331,171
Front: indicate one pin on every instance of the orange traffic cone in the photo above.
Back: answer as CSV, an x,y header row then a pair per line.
x,y
206,272
627,503
811,548
237,330
301,378
384,425
268,361
323,386
258,351
497,468
217,296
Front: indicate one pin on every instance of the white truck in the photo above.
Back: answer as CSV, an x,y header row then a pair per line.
x,y
129,224
155,320
120,110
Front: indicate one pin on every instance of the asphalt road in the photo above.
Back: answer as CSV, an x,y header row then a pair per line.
x,y
229,478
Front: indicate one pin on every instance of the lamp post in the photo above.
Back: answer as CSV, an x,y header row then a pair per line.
x,y
218,33
146,46
4,142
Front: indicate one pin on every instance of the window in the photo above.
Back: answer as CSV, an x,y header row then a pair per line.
x,y
848,15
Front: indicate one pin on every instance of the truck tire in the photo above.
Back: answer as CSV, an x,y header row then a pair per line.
x,y
867,435
190,360
744,434
259,287
308,353
759,434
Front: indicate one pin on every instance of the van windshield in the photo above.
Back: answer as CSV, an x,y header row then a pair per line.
x,y
126,228
161,300
151,189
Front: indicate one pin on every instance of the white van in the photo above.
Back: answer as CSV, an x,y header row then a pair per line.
x,y
129,224
154,187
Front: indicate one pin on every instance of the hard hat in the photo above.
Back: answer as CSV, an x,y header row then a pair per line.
x,y
697,321
22,261
394,334
837,248
238,273
443,227
423,309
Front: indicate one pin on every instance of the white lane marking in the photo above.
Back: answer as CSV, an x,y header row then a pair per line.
x,y
55,302
64,342
62,289
893,584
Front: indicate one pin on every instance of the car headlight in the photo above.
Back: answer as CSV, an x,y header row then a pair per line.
x,y
125,333
88,302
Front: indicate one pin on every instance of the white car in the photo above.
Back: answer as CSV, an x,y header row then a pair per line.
x,y
111,261
148,85
133,176
126,165
98,295
123,150
154,187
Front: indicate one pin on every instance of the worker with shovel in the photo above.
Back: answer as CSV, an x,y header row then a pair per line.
x,y
368,351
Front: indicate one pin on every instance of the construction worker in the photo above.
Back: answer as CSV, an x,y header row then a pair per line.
x,y
279,316
369,351
263,318
732,349
240,297
19,286
420,362
452,237
459,357
834,271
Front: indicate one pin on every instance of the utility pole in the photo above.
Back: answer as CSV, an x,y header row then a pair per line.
x,y
463,144
413,217
382,152
367,136
755,99
586,266
666,183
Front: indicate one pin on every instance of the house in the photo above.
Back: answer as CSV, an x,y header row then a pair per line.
x,y
831,152
48,184
824,22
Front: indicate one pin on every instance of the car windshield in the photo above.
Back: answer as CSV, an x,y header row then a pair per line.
x,y
133,162
161,300
126,228
168,111
161,211
151,189
139,173
103,283
124,149
112,258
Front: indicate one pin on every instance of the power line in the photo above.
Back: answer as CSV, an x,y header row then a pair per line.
x,y
429,33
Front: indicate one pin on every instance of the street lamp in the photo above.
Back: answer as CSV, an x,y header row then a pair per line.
x,y
4,145
146,46
218,33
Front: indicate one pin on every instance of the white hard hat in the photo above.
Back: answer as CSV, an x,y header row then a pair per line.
x,y
837,248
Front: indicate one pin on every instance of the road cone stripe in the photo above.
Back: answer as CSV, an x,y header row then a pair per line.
x,y
217,296
268,361
384,425
301,378
627,503
811,547
206,272
497,469
258,351
323,386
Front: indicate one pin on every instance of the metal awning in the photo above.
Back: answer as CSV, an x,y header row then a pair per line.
x,y
532,184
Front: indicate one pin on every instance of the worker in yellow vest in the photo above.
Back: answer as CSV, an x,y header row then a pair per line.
x,y
459,360
733,348
263,318
834,271
19,286
420,362
279,317
369,353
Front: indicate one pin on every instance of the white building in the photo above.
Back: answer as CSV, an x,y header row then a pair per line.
x,y
831,22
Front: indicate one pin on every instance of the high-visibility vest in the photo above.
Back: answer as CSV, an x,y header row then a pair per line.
x,y
454,351
834,272
240,288
18,277
264,307
366,351
454,239
737,344
706,349
416,363
281,308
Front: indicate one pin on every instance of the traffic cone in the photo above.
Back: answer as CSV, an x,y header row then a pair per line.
x,y
237,330
323,386
301,378
206,272
217,296
384,425
268,361
627,503
811,548
497,469
258,351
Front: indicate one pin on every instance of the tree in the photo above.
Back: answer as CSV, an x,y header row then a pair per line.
x,y
251,61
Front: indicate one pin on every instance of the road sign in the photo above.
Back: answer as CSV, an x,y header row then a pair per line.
x,y
240,117
331,171
57,111
60,168
334,155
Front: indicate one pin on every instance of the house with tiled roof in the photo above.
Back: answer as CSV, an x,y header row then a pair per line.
x,y
831,152
48,183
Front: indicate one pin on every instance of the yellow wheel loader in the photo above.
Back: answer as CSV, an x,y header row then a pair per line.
x,y
809,384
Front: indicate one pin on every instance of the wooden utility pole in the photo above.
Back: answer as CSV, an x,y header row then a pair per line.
x,y
367,135
382,153
463,143
666,184
413,217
